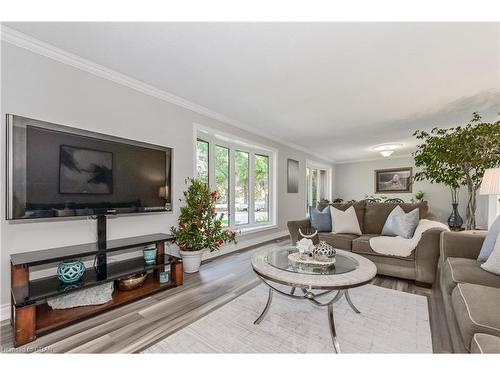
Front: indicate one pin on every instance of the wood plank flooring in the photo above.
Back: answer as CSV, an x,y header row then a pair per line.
x,y
134,327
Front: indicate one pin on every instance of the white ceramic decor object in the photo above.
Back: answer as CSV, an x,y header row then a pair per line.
x,y
305,245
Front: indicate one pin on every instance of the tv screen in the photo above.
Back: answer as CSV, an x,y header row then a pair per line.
x,y
59,171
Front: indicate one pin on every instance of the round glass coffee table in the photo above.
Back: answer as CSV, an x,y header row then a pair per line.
x,y
350,271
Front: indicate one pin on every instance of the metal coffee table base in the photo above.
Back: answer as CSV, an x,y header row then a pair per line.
x,y
307,295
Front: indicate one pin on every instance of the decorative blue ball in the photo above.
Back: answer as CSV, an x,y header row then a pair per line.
x,y
70,271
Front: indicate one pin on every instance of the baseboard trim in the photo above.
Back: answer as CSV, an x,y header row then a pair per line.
x,y
241,245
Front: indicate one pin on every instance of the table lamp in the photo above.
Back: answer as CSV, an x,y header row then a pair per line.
x,y
491,186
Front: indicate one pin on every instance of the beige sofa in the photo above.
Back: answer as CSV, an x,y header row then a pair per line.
x,y
471,295
419,266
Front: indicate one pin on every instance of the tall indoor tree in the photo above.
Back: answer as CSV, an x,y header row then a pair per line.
x,y
438,166
459,156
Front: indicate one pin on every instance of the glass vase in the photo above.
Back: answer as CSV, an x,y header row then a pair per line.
x,y
455,221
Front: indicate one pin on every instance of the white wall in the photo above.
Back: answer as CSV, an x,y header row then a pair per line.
x,y
355,180
41,88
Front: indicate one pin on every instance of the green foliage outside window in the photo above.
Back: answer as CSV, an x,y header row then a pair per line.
x,y
202,160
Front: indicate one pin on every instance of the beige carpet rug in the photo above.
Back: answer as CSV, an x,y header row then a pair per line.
x,y
390,322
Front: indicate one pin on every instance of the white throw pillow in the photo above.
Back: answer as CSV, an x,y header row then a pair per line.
x,y
344,221
493,263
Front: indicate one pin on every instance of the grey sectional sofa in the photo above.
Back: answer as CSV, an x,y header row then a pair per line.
x,y
471,295
420,266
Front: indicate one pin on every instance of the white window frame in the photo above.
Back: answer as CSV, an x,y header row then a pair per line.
x,y
318,166
234,143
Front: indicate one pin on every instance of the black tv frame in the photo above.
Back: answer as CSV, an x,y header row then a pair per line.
x,y
9,121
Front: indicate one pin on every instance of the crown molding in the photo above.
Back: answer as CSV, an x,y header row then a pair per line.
x,y
39,47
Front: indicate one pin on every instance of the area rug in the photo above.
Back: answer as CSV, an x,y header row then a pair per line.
x,y
390,322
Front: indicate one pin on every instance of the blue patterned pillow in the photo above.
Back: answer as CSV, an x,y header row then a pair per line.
x,y
321,220
401,224
489,241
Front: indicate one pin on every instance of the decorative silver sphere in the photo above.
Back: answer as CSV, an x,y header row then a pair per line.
x,y
323,252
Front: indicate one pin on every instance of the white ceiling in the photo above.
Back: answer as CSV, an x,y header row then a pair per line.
x,y
334,88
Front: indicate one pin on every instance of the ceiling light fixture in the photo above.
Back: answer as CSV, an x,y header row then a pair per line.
x,y
387,153
387,149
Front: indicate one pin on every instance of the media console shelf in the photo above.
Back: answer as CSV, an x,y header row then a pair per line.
x,y
31,316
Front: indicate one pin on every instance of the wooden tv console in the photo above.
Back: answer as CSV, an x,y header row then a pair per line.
x,y
31,316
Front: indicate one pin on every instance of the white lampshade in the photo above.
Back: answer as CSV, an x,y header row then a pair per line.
x,y
491,182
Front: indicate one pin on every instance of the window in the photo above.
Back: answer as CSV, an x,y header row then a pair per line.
x,y
202,160
317,185
241,171
222,183
314,187
261,181
241,174
322,193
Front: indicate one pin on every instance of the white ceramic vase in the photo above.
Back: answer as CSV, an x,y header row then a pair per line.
x,y
191,260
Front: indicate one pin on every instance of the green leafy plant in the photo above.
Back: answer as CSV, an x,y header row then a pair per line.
x,y
199,227
338,200
419,195
458,157
323,202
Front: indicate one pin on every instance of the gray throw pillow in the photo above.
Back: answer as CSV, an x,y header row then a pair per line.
x,y
489,241
401,224
321,220
493,263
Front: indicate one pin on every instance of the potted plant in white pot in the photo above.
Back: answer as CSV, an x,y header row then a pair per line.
x,y
199,227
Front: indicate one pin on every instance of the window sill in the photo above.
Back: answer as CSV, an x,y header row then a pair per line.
x,y
256,229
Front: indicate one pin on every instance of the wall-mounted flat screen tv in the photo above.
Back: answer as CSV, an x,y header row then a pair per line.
x,y
60,171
